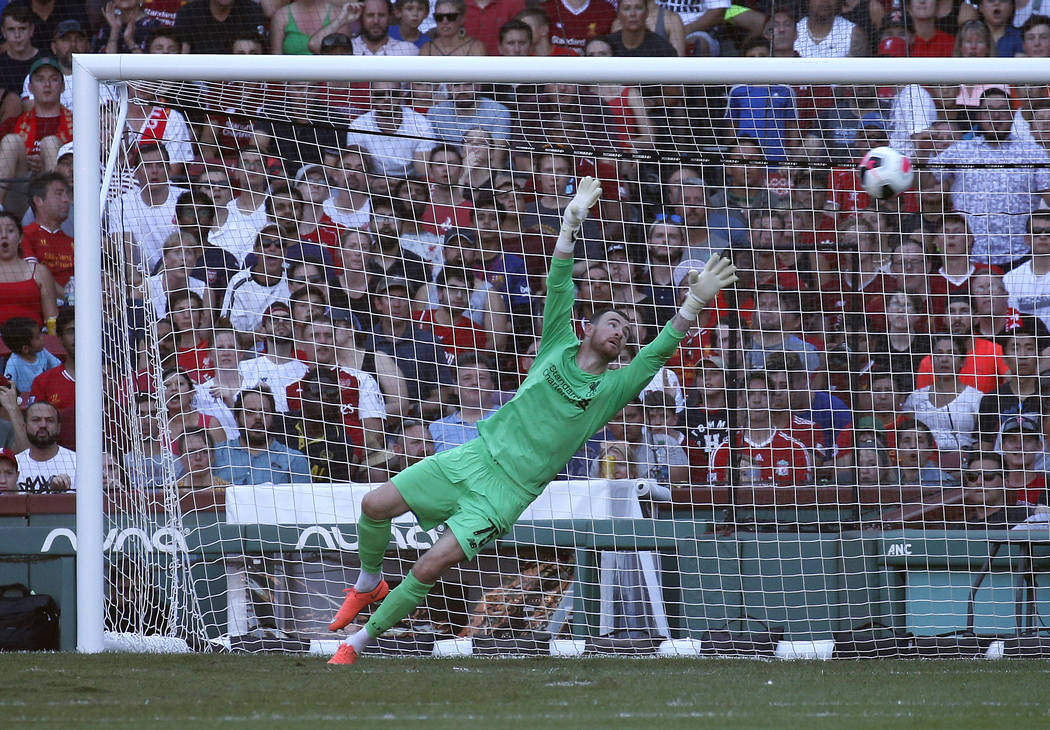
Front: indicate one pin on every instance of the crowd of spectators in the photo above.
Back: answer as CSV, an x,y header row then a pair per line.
x,y
330,282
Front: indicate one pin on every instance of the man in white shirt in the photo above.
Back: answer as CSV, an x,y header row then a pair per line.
x,y
279,367
411,135
246,213
146,216
1029,284
45,466
251,292
375,39
349,205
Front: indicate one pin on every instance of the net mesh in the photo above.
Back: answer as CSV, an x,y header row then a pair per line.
x,y
309,287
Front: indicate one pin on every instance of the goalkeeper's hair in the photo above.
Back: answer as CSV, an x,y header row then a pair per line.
x,y
599,313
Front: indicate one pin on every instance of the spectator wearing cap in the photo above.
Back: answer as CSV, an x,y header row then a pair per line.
x,y
1028,285
29,143
16,23
45,466
44,240
985,495
485,307
823,33
251,291
374,39
126,29
210,26
927,41
313,224
64,166
8,471
396,136
474,389
314,428
419,357
70,37
348,204
146,214
663,454
1021,443
1024,391
246,213
256,456
998,200
277,367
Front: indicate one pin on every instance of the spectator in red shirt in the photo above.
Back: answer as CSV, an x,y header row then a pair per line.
x,y
57,386
484,18
27,289
44,240
769,454
574,22
927,41
30,142
449,322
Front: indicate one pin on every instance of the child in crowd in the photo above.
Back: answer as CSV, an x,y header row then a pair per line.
x,y
411,13
28,357
663,452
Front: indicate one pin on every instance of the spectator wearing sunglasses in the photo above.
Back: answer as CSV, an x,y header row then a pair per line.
x,y
984,494
450,39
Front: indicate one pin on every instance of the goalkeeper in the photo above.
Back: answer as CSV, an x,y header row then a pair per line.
x,y
480,488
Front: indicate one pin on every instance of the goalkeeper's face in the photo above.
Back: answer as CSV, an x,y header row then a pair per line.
x,y
607,336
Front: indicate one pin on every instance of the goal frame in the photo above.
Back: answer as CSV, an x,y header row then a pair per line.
x,y
90,70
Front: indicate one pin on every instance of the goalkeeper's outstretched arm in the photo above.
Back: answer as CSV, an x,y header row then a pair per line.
x,y
718,273
587,194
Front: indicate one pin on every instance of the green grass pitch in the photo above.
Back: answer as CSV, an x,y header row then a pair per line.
x,y
122,690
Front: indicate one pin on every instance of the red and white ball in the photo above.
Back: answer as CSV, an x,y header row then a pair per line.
x,y
885,173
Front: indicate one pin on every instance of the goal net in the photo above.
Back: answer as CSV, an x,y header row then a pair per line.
x,y
308,286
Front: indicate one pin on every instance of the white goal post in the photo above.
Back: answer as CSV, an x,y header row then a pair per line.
x,y
90,71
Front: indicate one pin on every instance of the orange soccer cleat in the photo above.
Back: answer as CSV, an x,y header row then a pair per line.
x,y
345,654
353,604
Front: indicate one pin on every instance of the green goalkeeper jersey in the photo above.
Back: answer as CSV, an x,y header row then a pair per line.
x,y
560,406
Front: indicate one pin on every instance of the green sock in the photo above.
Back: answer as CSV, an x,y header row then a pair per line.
x,y
373,536
401,601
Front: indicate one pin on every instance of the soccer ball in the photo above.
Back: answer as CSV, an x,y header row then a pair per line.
x,y
885,172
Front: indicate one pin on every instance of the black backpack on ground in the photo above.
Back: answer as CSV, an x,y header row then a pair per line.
x,y
28,622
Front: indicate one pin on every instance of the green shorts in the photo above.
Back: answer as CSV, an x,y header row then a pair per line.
x,y
467,490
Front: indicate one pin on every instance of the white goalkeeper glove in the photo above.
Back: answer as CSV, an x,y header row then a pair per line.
x,y
587,193
718,273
